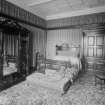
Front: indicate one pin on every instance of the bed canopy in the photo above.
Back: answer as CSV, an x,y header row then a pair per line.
x,y
14,42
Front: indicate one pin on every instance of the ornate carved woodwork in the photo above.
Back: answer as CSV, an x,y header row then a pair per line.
x,y
14,45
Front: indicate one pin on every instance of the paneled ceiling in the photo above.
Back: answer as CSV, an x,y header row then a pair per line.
x,y
52,9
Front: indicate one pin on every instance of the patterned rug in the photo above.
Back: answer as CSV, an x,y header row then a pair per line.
x,y
82,92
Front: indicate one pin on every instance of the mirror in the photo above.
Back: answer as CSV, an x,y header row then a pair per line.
x,y
10,53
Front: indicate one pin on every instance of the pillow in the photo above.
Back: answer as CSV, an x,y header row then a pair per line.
x,y
61,58
53,66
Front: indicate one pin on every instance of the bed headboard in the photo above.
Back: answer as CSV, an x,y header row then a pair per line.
x,y
66,49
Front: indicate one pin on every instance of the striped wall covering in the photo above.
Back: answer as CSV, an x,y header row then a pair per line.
x,y
57,37
37,42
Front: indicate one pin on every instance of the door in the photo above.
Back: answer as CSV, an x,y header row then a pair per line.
x,y
1,55
94,47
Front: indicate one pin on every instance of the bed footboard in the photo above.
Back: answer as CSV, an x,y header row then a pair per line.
x,y
66,87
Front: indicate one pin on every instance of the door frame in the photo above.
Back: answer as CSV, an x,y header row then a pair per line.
x,y
91,59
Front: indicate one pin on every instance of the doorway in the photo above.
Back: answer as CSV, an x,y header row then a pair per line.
x,y
94,47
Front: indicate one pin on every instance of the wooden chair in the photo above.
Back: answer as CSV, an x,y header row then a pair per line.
x,y
99,73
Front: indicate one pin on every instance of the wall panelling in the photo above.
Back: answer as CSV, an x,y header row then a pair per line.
x,y
57,37
37,42
98,18
16,12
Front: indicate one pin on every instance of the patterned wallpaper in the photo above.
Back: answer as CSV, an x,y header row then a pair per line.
x,y
57,37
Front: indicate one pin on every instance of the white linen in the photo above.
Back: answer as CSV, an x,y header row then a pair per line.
x,y
54,79
61,58
47,81
52,75
71,72
50,72
73,60
12,64
8,70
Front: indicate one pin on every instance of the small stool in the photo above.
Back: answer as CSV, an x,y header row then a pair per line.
x,y
101,77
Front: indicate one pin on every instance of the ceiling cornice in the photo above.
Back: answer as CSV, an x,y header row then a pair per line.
x,y
34,3
76,13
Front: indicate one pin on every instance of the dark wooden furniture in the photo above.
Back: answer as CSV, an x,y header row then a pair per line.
x,y
101,78
14,42
94,46
99,73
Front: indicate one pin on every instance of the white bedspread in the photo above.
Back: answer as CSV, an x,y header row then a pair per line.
x,y
48,81
54,79
72,59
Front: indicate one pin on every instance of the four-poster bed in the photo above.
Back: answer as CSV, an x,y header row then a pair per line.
x,y
14,42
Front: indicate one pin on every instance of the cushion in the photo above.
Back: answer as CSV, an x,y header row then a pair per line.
x,y
53,66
